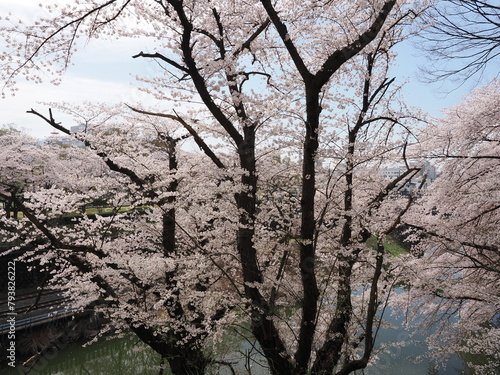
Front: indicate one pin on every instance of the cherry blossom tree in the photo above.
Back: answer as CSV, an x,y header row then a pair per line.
x,y
293,111
28,165
455,281
112,275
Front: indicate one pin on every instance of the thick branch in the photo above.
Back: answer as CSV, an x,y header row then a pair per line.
x,y
198,81
408,175
163,58
287,41
373,302
339,57
251,38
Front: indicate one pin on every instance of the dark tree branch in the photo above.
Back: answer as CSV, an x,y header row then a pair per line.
x,y
339,57
251,38
373,302
455,298
198,81
491,209
475,157
287,40
407,175
163,58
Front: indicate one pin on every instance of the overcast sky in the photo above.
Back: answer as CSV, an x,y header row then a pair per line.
x,y
104,71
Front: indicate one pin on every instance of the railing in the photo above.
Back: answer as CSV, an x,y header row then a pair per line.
x,y
49,307
36,320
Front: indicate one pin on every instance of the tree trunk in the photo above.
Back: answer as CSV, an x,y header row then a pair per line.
x,y
182,359
262,325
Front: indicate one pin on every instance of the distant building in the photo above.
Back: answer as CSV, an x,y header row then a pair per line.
x,y
78,128
427,170
65,140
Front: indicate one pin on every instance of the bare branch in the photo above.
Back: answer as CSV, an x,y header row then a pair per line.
x,y
463,39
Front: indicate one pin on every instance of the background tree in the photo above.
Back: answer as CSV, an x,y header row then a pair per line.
x,y
265,77
461,38
455,282
28,166
458,216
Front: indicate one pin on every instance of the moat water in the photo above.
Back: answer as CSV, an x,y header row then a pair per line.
x,y
128,356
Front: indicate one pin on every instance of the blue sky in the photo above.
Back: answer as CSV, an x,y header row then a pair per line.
x,y
105,70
